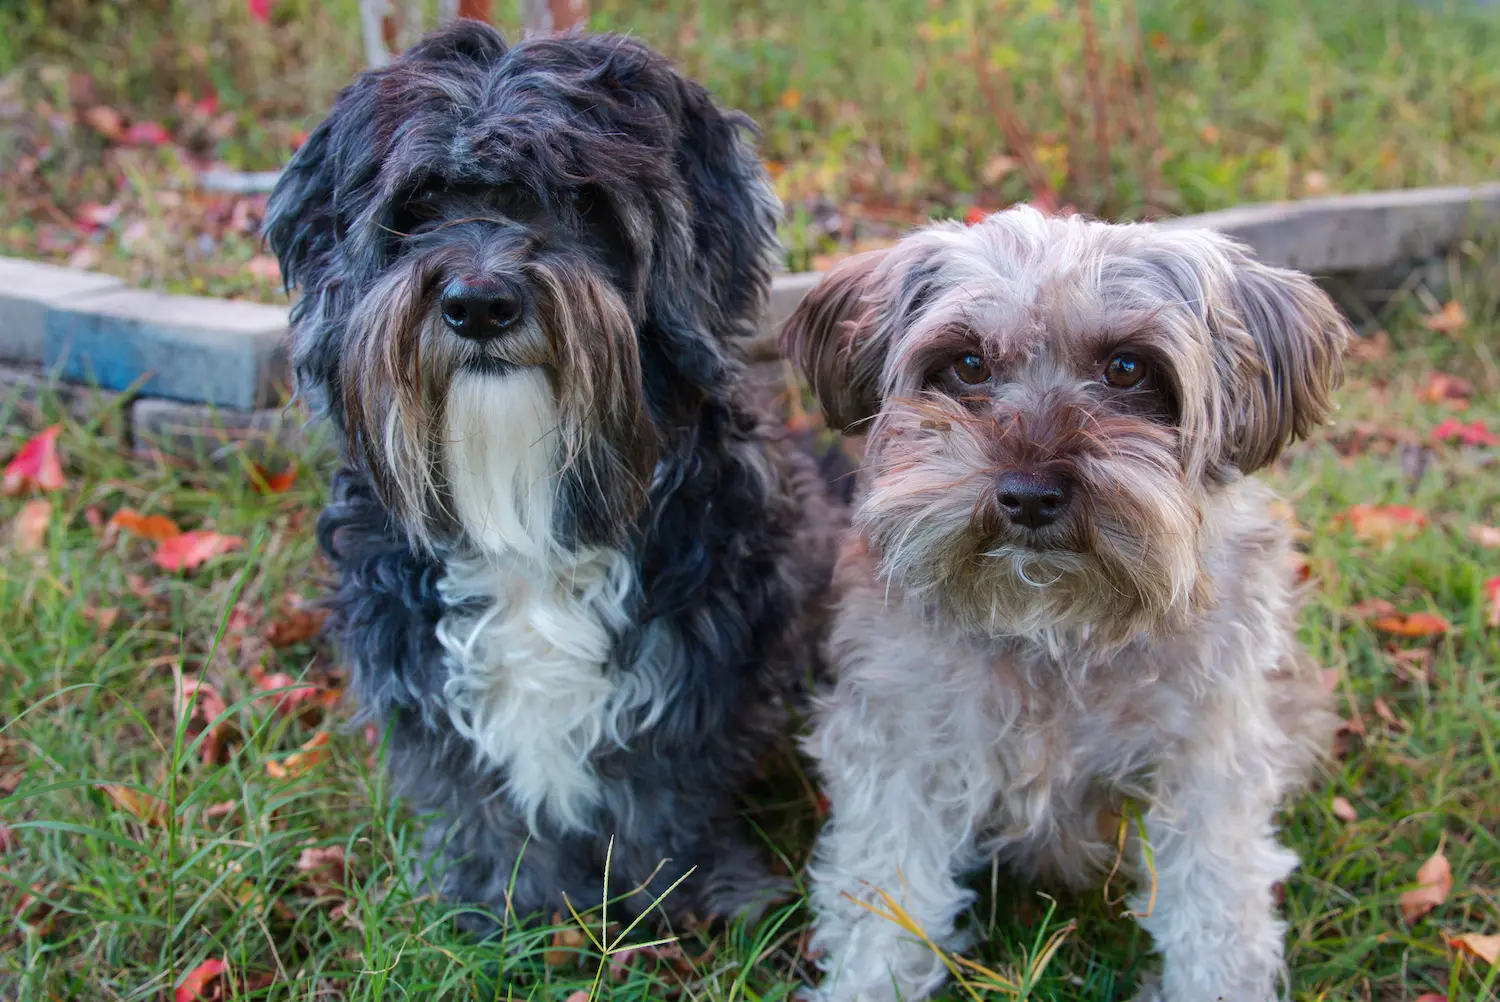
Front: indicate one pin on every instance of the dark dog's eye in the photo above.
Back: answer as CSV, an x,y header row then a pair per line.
x,y
1125,370
970,368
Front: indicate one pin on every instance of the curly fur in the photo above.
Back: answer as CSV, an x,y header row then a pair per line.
x,y
1005,686
579,575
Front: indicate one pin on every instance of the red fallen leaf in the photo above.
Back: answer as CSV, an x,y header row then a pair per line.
x,y
37,465
291,697
298,138
29,529
1486,948
266,482
1418,624
1434,882
1343,810
976,214
1473,434
195,985
259,9
1447,320
146,133
1382,523
191,549
153,527
202,705
1492,596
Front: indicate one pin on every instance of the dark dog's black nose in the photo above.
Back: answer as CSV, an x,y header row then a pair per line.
x,y
1033,499
481,308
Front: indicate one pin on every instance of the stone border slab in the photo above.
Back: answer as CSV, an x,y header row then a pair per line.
x,y
89,328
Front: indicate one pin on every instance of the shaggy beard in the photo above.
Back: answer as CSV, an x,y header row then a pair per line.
x,y
1124,561
571,375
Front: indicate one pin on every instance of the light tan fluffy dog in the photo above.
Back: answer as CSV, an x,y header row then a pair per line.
x,y
1062,592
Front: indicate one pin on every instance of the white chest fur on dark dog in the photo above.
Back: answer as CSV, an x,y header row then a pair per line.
x,y
1063,599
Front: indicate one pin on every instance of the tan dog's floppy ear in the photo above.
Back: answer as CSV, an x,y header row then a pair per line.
x,y
1300,337
831,338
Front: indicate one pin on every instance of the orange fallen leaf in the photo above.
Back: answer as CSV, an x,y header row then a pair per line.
x,y
29,529
1343,810
37,465
151,810
153,527
1486,535
1486,948
566,942
1447,320
1434,882
1417,624
1492,598
197,982
266,482
1451,391
1382,524
191,549
299,762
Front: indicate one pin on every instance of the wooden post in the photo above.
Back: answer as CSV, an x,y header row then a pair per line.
x,y
541,17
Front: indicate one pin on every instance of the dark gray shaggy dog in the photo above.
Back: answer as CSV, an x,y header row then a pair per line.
x,y
579,573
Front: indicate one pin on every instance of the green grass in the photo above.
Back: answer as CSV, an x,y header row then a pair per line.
x,y
133,905
874,114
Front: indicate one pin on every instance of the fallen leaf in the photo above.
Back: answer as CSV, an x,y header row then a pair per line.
x,y
1474,434
7,840
1382,524
1372,348
566,942
94,216
153,527
1492,598
151,810
36,912
582,996
146,133
1432,997
1447,320
1486,535
28,530
1451,391
325,868
791,99
1486,948
1417,624
102,618
222,809
296,626
313,751
37,465
266,482
191,549
1372,608
1298,567
291,696
1434,881
198,981
259,9
1411,665
106,121
1384,712
1343,810
976,214
621,961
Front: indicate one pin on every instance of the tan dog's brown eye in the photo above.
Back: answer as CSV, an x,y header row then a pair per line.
x,y
971,368
1125,370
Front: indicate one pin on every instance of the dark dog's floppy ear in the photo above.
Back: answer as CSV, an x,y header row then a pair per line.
x,y
1299,338
832,338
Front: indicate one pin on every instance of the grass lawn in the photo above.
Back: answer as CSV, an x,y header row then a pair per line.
x,y
875,113
141,843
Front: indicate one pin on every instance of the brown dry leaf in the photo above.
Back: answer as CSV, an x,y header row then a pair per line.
x,y
1417,624
153,527
313,752
1384,712
1343,810
1434,882
1485,535
1449,319
566,942
325,867
1486,948
296,626
152,810
103,618
28,531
